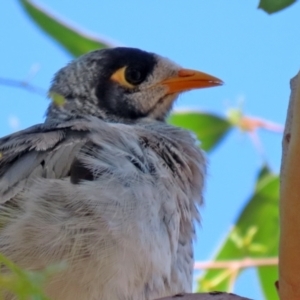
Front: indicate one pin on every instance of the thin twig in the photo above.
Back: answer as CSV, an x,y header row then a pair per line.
x,y
249,123
232,279
23,85
236,264
257,144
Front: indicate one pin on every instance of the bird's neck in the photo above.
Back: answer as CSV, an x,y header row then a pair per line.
x,y
76,108
73,109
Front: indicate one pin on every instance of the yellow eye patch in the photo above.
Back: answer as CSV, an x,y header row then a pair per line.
x,y
119,77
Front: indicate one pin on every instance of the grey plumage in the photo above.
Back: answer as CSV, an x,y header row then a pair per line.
x,y
114,194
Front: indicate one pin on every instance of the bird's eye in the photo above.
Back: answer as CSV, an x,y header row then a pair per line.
x,y
128,77
133,76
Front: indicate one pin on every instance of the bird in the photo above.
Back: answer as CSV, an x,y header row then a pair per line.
x,y
105,184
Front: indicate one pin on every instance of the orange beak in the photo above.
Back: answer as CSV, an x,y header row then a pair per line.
x,y
188,80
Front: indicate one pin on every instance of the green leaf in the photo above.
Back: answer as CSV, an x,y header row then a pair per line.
x,y
255,235
57,99
267,276
210,129
73,40
272,6
25,284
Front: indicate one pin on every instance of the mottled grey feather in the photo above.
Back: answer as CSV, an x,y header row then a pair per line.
x,y
133,197
45,150
104,185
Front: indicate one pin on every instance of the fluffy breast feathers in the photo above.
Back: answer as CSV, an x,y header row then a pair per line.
x,y
116,202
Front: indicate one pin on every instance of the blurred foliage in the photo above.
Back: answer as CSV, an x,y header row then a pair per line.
x,y
24,284
71,39
58,99
255,234
210,129
272,6
76,42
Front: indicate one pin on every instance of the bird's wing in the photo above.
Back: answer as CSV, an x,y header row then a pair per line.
x,y
41,151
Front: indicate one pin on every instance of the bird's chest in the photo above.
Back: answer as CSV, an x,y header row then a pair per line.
x,y
142,256
126,231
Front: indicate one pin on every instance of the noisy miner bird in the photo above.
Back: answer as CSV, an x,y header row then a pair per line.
x,y
104,184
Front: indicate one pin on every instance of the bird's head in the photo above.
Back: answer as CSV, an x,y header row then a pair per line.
x,y
122,85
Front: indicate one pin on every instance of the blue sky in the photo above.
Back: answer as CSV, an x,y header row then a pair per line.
x,y
253,53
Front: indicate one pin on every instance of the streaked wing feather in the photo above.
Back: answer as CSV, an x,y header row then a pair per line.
x,y
45,150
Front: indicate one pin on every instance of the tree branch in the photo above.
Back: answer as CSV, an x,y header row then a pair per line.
x,y
236,264
23,85
289,244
